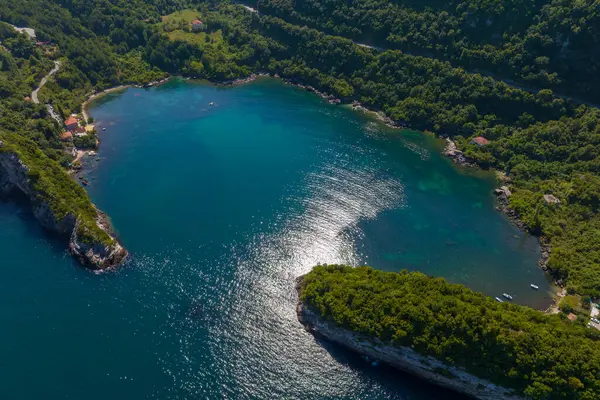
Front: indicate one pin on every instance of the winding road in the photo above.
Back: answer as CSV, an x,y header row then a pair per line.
x,y
34,94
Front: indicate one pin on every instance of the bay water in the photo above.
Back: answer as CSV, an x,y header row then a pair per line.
x,y
221,208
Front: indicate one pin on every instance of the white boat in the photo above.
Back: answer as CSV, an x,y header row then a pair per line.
x,y
212,103
508,296
536,287
499,300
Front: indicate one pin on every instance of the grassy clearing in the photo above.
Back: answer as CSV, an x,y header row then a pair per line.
x,y
201,39
213,45
571,303
185,15
180,20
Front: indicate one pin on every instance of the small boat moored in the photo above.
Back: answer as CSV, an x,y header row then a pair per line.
x,y
508,296
536,287
499,300
212,103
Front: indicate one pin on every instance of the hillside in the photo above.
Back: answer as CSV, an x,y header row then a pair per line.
x,y
544,144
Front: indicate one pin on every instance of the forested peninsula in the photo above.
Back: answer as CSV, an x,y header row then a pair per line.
x,y
511,83
406,318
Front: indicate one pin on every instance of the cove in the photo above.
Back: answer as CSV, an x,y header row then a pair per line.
x,y
222,207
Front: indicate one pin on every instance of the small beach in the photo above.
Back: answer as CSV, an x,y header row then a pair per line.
x,y
95,96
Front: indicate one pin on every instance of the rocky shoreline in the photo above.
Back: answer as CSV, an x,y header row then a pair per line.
x,y
404,359
356,105
94,254
451,151
379,115
241,81
331,99
503,205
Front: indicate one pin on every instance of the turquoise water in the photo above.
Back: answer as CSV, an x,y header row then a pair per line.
x,y
222,208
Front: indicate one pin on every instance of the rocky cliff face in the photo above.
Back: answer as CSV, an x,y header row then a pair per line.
x,y
14,179
406,359
94,255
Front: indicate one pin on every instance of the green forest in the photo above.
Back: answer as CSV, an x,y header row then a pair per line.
x,y
538,43
519,73
539,356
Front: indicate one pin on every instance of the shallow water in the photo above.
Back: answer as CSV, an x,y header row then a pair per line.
x,y
222,208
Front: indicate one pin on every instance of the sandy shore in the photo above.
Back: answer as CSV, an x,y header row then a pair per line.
x,y
97,95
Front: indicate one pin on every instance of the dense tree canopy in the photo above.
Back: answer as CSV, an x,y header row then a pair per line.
x,y
540,356
544,43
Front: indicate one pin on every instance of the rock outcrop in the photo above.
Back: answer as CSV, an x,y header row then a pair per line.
x,y
96,255
406,359
14,179
451,151
503,194
503,205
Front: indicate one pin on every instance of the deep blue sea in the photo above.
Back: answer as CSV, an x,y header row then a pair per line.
x,y
222,207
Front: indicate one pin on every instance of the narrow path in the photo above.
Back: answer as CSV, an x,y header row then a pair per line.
x,y
34,94
253,10
247,7
368,46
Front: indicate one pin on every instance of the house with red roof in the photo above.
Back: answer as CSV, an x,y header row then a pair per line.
x,y
66,136
197,25
480,141
80,131
71,123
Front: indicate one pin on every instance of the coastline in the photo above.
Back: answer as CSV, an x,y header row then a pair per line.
x,y
96,95
450,150
355,105
503,206
404,359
